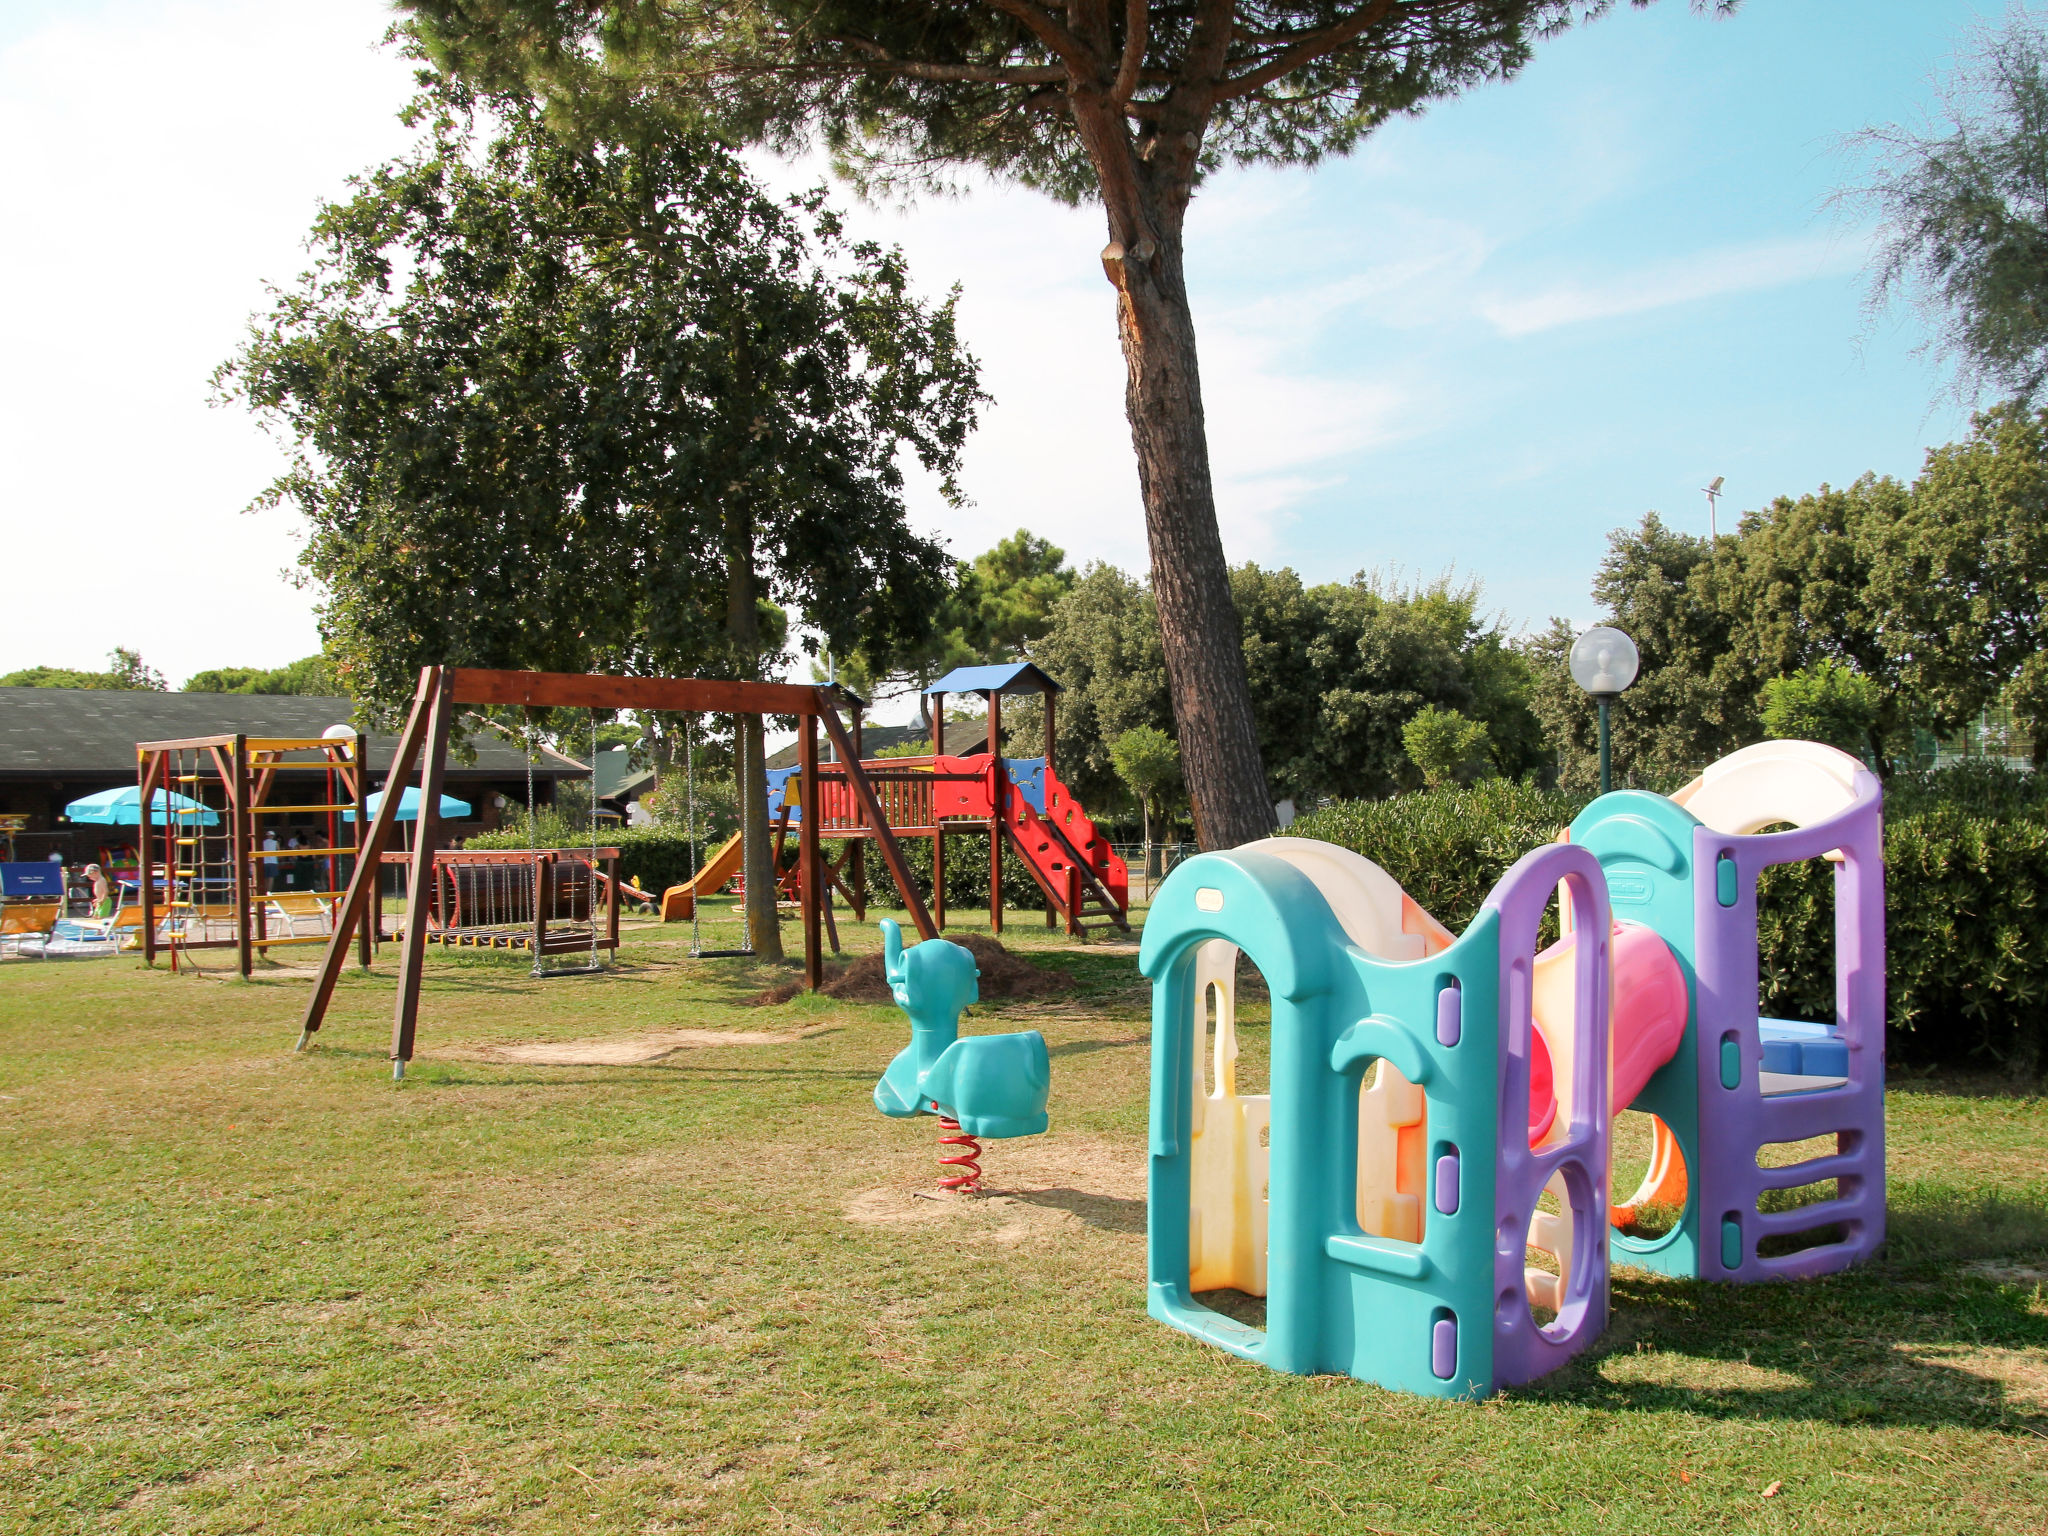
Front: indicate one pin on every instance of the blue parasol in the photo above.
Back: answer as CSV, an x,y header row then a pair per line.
x,y
123,808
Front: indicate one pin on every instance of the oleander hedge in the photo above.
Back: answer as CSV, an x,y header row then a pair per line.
x,y
1966,870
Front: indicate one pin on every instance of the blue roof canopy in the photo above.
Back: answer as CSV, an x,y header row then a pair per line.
x,y
1011,677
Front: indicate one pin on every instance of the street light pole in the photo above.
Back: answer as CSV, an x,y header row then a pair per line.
x,y
1605,701
1604,662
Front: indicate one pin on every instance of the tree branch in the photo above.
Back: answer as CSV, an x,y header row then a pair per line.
x,y
1208,43
1312,47
1049,32
1137,33
987,74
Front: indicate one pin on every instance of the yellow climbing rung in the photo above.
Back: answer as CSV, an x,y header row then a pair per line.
x,y
280,810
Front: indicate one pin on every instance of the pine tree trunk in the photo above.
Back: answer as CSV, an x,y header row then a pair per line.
x,y
1146,196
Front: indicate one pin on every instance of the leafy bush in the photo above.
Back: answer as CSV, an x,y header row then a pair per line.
x,y
966,875
1824,702
1447,847
1966,939
1966,862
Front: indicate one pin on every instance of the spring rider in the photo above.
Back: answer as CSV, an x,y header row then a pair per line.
x,y
985,1086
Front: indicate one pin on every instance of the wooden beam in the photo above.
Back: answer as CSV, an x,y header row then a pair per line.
x,y
885,839
361,903
240,835
857,893
677,695
809,886
149,771
998,809
366,923
405,1013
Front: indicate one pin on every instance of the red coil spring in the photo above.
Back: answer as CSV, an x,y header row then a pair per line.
x,y
967,1165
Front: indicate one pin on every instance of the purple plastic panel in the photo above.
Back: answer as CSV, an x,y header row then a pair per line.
x,y
1443,1348
1521,1350
1447,1184
1735,1122
1450,1015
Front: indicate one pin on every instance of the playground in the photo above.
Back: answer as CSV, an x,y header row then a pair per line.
x,y
707,1287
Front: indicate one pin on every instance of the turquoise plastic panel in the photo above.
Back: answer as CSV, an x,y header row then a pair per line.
x,y
1644,844
1414,1317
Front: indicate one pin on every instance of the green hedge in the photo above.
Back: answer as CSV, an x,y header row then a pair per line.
x,y
1966,863
1447,847
966,875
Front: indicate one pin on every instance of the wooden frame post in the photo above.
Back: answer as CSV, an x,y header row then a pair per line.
x,y
810,883
857,873
885,836
998,809
239,840
367,922
149,771
1051,913
405,1013
364,885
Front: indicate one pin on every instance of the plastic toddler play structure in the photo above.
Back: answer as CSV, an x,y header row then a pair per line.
x,y
980,1087
1428,1090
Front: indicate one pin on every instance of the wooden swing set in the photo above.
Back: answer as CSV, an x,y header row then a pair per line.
x,y
423,747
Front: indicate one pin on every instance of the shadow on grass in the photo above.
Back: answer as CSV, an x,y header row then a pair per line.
x,y
1917,1337
1106,1213
1090,1047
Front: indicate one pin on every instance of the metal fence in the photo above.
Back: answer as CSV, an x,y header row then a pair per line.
x,y
1166,857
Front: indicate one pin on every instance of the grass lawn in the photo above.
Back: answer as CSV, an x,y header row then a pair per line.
x,y
246,1290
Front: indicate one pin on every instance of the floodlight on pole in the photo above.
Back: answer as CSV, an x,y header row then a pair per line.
x,y
1713,493
1604,662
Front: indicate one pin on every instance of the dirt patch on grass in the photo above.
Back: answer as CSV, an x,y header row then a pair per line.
x,y
1030,1186
1003,975
621,1051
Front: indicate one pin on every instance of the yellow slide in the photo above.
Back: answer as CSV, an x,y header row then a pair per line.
x,y
679,902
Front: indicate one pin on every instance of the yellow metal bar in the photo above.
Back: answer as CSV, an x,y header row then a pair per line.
x,y
281,810
309,938
296,853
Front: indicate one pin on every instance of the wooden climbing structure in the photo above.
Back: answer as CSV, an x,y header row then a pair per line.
x,y
1018,804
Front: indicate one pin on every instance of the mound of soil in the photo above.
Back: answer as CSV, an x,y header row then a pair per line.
x,y
1003,975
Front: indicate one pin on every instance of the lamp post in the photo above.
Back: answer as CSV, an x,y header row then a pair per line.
x,y
1604,662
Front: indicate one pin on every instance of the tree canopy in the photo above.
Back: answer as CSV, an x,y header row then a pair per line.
x,y
1907,607
125,671
1338,669
1963,211
312,675
585,407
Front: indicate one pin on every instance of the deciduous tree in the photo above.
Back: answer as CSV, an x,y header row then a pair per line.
x,y
593,407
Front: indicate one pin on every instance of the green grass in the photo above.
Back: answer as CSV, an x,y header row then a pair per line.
x,y
243,1290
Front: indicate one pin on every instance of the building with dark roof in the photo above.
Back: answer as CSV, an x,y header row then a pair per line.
x,y
59,744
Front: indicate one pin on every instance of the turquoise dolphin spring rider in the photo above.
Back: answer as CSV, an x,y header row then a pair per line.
x,y
989,1086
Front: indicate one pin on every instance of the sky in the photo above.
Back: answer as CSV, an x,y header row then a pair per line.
x,y
1498,332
